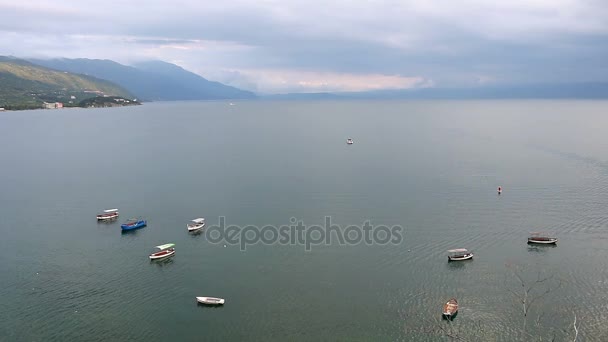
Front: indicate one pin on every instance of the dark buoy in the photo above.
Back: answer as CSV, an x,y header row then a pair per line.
x,y
500,190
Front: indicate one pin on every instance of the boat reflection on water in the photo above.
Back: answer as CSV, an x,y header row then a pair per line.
x,y
129,232
456,265
209,307
107,222
162,262
540,248
195,233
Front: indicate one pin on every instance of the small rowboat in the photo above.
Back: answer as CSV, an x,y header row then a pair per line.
x,y
166,251
450,309
196,224
109,214
210,300
133,224
541,238
459,254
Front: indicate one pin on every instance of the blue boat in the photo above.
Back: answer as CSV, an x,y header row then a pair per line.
x,y
133,224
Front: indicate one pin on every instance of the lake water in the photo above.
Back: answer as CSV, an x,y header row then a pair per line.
x,y
432,167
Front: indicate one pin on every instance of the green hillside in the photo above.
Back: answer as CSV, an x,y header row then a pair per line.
x,y
24,85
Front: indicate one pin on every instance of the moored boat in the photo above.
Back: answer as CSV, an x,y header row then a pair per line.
x,y
541,238
109,214
166,251
459,254
133,224
196,224
450,309
210,300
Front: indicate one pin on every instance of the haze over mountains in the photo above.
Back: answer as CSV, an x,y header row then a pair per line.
x,y
590,90
150,81
162,81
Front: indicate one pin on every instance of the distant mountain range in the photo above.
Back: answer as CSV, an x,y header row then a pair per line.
x,y
150,81
28,83
535,91
24,85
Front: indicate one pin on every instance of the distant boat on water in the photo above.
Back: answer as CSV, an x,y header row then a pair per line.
x,y
166,251
349,141
109,214
459,254
133,224
541,238
210,300
197,223
450,309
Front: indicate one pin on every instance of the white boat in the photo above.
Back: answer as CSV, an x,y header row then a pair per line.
x,y
459,254
349,141
541,238
196,224
210,300
109,214
166,251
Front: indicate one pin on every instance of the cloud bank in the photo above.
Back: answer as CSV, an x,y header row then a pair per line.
x,y
274,46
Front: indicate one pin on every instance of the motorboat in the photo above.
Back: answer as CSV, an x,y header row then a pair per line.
x,y
135,223
210,300
165,251
349,141
459,254
450,309
107,215
197,223
541,238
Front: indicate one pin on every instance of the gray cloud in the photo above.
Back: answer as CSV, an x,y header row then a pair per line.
x,y
248,43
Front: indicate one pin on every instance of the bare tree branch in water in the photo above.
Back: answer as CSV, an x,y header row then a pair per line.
x,y
454,331
529,289
530,295
575,329
526,290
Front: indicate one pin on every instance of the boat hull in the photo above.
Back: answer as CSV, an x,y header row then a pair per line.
x,y
450,317
107,217
210,300
460,258
194,227
543,242
137,225
162,254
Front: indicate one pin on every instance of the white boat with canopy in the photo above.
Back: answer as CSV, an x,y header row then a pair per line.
x,y
459,254
210,300
108,214
166,250
196,224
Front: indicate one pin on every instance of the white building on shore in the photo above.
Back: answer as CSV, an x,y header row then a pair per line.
x,y
52,105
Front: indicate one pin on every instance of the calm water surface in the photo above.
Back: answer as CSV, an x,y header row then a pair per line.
x,y
431,167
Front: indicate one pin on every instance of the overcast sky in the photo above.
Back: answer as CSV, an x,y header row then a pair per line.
x,y
275,46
